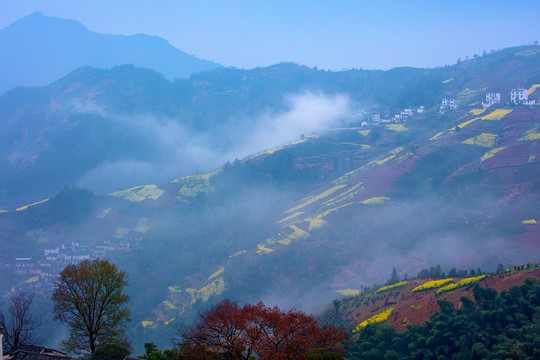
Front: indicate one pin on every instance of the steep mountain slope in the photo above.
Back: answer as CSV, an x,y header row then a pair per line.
x,y
443,199
38,49
142,128
301,224
483,316
414,301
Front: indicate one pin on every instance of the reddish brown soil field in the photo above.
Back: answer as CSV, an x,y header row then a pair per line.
x,y
415,308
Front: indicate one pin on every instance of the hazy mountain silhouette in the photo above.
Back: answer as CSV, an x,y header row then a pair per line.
x,y
117,128
38,49
296,225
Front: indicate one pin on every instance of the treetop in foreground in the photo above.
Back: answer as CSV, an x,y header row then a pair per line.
x,y
237,332
89,299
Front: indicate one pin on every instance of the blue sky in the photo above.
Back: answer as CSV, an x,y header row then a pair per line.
x,y
335,35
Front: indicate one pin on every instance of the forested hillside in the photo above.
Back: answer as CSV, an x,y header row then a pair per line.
x,y
477,322
322,214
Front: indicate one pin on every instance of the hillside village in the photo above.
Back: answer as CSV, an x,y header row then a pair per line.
x,y
518,96
39,273
351,186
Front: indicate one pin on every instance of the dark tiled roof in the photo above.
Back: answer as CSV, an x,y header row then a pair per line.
x,y
33,352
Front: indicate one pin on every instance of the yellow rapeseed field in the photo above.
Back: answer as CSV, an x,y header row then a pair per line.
x,y
27,206
311,199
484,140
139,193
497,114
33,279
296,234
376,319
463,282
436,136
471,280
533,88
529,222
270,152
526,52
492,153
380,162
531,135
375,200
327,212
290,217
349,292
121,232
238,253
346,195
477,111
170,305
143,225
468,122
403,157
216,287
217,273
363,146
396,127
433,284
393,286
467,94
316,224
194,185
263,249
103,213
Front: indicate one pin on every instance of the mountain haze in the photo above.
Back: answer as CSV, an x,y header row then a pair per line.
x,y
144,128
329,213
38,49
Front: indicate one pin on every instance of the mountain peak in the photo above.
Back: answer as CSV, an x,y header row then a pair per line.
x,y
53,47
38,20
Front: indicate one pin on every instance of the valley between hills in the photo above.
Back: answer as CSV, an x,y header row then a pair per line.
x,y
323,217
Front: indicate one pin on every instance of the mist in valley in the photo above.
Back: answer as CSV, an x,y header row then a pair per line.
x,y
263,186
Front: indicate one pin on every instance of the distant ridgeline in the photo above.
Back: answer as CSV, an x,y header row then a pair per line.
x,y
54,47
327,214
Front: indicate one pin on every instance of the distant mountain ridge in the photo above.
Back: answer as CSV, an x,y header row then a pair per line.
x,y
108,121
296,225
38,49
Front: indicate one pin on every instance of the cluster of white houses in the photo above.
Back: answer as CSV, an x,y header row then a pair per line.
x,y
44,270
518,96
521,96
374,116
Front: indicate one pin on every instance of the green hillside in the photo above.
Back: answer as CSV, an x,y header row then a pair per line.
x,y
488,316
143,128
301,224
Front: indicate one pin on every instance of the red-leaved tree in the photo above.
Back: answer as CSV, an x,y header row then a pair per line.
x,y
233,332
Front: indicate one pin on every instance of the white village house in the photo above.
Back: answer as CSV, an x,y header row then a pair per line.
x,y
491,99
448,104
521,96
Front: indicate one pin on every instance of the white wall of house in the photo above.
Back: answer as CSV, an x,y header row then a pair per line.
x,y
519,95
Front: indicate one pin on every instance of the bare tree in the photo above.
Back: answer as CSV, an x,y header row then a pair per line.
x,y
19,324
